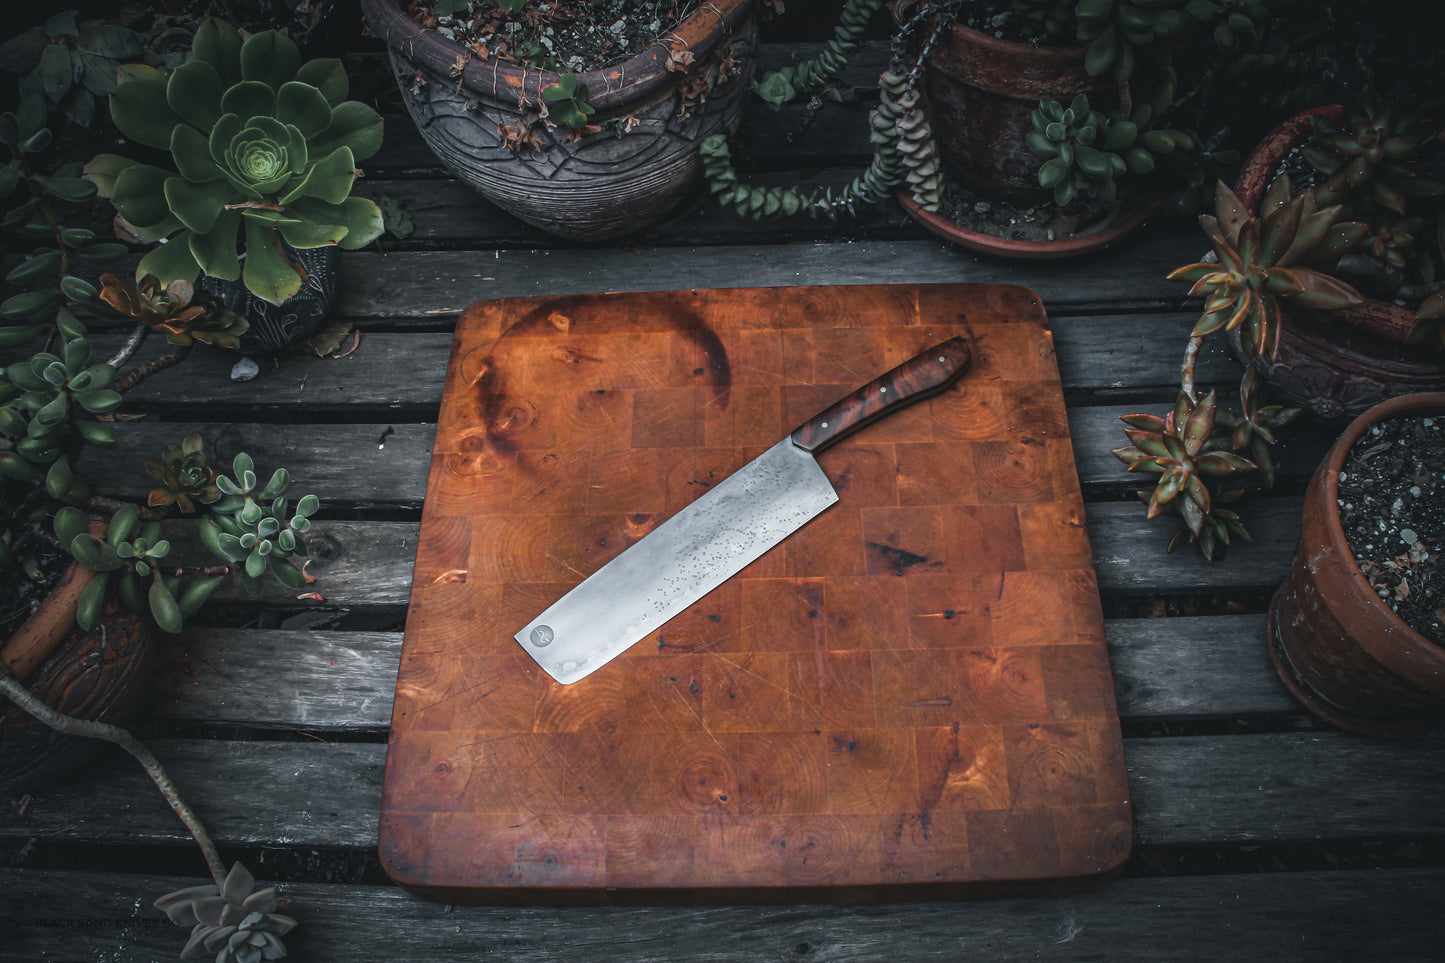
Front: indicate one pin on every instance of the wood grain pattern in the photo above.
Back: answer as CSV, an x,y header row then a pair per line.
x,y
1297,917
911,695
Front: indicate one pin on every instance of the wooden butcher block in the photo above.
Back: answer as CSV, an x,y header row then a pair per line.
x,y
909,697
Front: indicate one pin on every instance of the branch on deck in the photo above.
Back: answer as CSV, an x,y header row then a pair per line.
x,y
71,726
140,373
127,350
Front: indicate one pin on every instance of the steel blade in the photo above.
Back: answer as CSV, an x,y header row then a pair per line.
x,y
679,562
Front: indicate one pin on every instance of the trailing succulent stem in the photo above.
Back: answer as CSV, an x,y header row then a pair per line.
x,y
1208,456
49,291
789,83
903,149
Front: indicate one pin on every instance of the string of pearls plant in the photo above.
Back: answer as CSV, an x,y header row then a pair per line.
x,y
903,146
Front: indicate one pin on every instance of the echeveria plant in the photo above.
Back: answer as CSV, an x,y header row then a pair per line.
x,y
264,149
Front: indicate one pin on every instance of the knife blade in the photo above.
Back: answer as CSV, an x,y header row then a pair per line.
x,y
723,530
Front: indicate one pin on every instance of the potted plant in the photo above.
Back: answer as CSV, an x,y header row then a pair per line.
x,y
1207,456
1336,631
1281,281
262,152
585,151
56,400
94,577
1055,142
1375,161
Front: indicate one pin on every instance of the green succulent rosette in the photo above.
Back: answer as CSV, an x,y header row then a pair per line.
x,y
264,148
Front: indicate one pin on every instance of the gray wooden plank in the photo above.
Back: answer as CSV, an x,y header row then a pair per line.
x,y
351,466
1113,354
311,793
367,564
307,681
388,375
1179,669
385,465
439,284
318,681
1187,791
399,374
1195,668
1130,557
1284,787
1315,916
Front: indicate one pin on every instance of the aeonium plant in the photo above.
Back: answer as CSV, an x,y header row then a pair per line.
x,y
1208,456
263,150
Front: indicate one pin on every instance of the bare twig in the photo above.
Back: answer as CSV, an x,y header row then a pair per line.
x,y
103,503
140,373
132,344
72,726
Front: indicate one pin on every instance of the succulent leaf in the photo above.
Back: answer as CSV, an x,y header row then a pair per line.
x,y
251,132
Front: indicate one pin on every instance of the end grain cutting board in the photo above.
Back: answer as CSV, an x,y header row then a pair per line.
x,y
911,696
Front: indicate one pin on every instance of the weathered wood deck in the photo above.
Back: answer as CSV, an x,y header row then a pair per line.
x,y
1258,834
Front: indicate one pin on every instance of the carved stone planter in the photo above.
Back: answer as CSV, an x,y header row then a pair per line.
x,y
1337,646
278,326
602,186
1334,363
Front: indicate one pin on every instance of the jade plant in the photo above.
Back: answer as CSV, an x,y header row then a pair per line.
x,y
788,83
69,62
263,149
1206,455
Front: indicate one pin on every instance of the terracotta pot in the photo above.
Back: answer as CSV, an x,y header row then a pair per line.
x,y
1121,222
603,186
101,675
981,91
1341,650
275,327
1336,364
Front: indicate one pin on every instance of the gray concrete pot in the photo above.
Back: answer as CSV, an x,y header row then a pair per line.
x,y
602,186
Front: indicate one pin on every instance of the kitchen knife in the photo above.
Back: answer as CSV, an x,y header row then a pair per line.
x,y
719,533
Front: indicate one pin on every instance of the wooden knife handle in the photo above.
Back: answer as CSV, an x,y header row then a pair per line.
x,y
921,376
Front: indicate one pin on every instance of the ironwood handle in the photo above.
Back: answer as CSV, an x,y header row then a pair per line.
x,y
925,374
